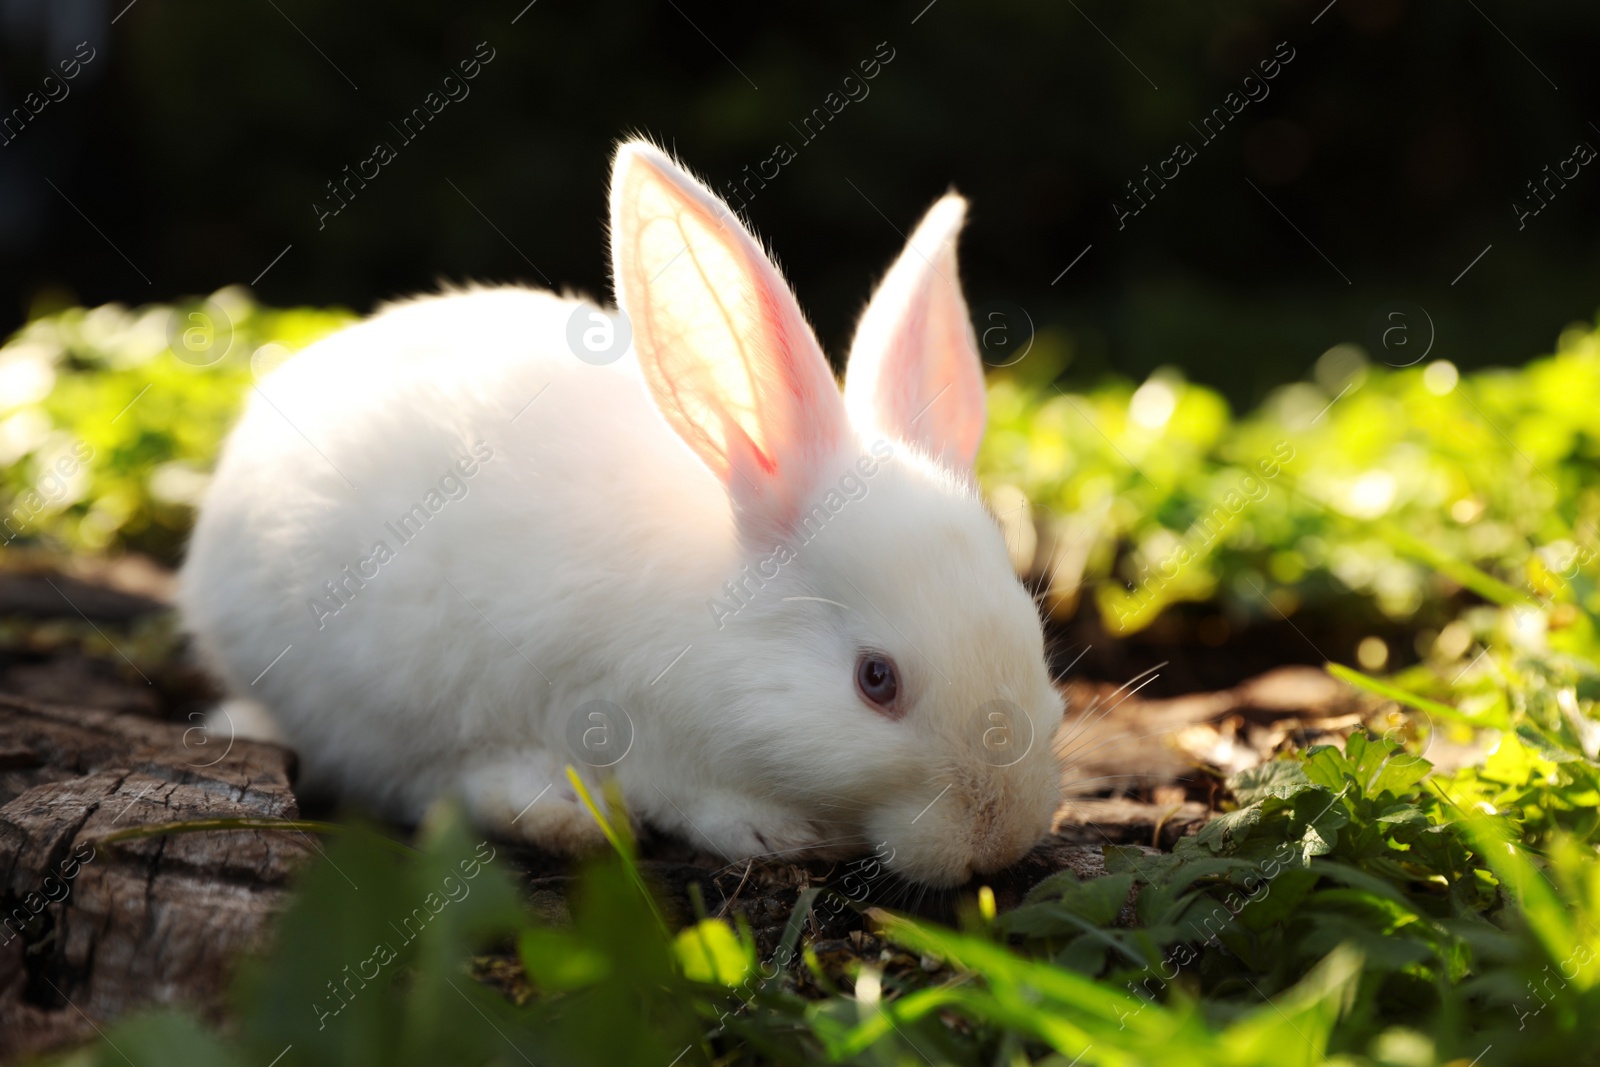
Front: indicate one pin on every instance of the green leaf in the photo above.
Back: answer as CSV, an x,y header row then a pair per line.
x,y
369,958
1545,745
1281,778
1085,954
1073,993
1294,1027
1278,899
1052,887
1098,900
1460,571
1408,815
1544,911
1327,767
560,962
1400,773
711,953
785,952
1365,756
1381,951
1223,834
167,1038
1372,685
1323,818
1145,867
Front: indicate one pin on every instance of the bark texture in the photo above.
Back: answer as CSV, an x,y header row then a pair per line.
x,y
92,930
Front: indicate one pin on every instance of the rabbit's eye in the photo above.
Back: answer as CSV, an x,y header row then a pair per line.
x,y
878,680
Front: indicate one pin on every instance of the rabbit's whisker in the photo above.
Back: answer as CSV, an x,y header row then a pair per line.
x,y
1077,757
1084,721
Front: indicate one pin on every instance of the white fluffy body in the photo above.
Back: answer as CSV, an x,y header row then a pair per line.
x,y
580,561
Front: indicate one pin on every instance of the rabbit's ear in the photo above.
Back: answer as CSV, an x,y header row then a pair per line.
x,y
914,368
727,354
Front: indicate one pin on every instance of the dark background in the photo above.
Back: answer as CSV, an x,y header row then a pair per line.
x,y
1395,142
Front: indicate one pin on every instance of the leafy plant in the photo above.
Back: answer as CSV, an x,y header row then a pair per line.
x,y
1401,487
111,418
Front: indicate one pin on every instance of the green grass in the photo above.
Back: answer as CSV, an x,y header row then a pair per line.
x,y
105,384
1396,488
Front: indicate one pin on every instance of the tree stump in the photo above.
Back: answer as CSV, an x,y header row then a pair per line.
x,y
90,931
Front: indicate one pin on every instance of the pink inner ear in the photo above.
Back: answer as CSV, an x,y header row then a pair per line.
x,y
914,367
949,418
727,355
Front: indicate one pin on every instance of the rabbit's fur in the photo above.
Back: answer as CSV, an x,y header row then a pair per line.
x,y
609,511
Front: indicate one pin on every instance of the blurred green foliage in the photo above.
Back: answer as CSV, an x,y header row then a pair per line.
x,y
1362,481
106,383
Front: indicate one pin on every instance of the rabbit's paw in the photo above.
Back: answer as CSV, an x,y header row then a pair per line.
x,y
740,827
526,797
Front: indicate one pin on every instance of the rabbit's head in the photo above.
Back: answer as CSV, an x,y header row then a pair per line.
x,y
879,672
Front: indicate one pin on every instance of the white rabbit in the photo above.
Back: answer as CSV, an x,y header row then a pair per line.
x,y
452,553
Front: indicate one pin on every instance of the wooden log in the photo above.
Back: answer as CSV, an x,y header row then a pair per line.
x,y
90,931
